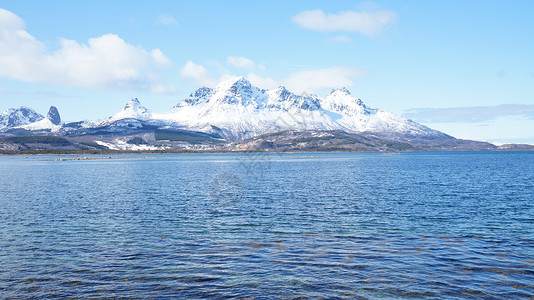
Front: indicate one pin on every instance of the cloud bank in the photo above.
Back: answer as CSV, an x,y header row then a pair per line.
x,y
105,62
474,114
365,22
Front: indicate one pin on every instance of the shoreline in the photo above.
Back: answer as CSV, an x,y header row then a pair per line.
x,y
123,152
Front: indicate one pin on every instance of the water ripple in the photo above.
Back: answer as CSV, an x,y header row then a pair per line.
x,y
358,226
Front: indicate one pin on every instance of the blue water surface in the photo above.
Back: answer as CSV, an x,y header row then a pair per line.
x,y
423,225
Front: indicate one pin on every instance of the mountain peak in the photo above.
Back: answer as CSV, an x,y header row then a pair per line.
x,y
53,115
342,90
238,91
19,116
342,101
200,95
132,110
233,84
282,89
134,105
133,102
201,92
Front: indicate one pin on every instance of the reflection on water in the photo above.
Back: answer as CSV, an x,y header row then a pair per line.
x,y
419,225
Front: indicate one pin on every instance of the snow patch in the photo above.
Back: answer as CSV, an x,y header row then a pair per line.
x,y
123,145
44,124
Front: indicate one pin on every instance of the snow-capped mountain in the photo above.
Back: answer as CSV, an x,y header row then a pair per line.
x,y
132,110
18,117
52,122
134,116
236,109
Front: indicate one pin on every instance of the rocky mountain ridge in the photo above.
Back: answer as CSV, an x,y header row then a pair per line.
x,y
235,115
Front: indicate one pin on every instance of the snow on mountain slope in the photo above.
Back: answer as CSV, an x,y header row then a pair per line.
x,y
198,96
52,122
236,109
18,117
355,116
44,124
341,101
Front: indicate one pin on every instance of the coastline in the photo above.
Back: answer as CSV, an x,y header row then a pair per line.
x,y
122,152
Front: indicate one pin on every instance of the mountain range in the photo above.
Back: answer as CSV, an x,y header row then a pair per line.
x,y
235,115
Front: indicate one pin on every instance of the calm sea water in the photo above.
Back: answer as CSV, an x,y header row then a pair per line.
x,y
338,225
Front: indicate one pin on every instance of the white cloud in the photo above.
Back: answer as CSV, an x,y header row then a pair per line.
x,y
243,63
365,22
10,21
166,20
500,130
475,114
202,76
262,82
161,89
198,73
160,58
316,80
311,81
240,62
103,62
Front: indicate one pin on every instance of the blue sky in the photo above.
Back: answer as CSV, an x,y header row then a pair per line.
x,y
462,67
